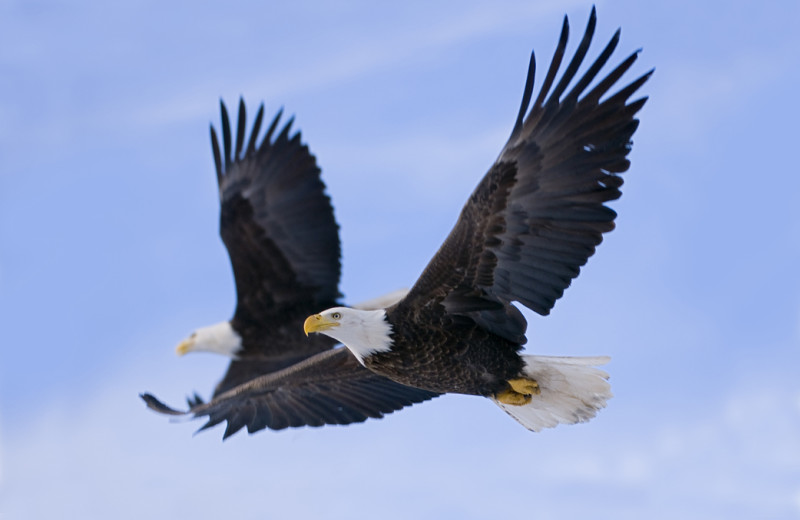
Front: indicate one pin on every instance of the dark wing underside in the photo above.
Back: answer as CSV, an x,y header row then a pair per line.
x,y
278,226
328,388
538,214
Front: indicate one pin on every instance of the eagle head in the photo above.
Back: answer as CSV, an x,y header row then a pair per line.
x,y
364,332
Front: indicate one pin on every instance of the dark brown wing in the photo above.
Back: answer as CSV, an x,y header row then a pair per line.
x,y
538,214
328,388
278,226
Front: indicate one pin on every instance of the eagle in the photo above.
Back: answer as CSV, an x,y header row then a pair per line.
x,y
278,226
522,236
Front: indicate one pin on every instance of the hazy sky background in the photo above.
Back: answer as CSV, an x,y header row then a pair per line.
x,y
109,255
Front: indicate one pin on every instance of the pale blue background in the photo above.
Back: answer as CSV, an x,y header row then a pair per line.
x,y
109,255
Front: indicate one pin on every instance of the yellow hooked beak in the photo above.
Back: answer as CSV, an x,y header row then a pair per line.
x,y
184,347
318,323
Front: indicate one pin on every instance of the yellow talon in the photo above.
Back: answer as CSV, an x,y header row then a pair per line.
x,y
520,392
525,386
511,397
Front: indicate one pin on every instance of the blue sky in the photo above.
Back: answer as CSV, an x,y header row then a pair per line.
x,y
109,255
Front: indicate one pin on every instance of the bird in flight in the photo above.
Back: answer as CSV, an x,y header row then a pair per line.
x,y
522,236
278,226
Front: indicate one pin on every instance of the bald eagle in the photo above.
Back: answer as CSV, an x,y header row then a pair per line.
x,y
530,224
283,242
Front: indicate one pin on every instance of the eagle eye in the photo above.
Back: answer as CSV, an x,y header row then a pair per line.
x,y
336,315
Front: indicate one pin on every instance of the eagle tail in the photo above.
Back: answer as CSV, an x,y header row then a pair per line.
x,y
572,390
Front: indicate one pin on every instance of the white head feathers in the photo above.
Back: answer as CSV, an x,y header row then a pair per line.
x,y
363,332
219,338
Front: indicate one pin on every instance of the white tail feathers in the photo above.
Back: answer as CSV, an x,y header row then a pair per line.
x,y
572,390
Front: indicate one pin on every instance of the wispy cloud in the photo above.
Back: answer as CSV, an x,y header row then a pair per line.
x,y
351,59
698,94
102,457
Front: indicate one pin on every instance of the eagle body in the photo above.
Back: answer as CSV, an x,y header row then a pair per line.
x,y
531,223
472,344
459,357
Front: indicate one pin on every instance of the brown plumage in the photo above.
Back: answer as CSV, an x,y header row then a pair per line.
x,y
278,226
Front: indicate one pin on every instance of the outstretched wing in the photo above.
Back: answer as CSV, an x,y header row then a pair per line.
x,y
538,214
276,221
328,388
